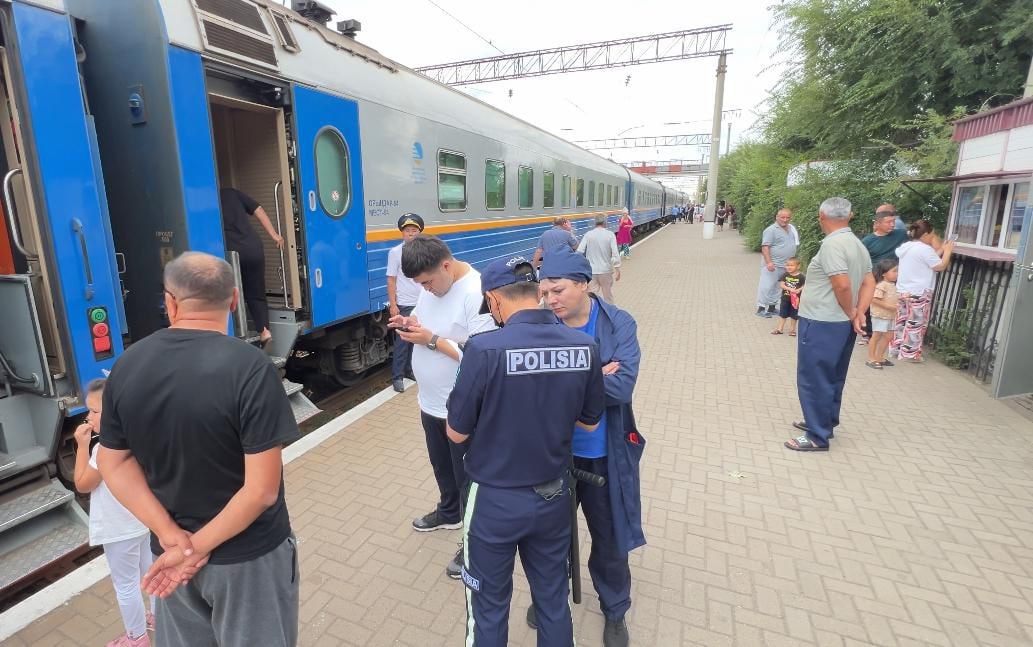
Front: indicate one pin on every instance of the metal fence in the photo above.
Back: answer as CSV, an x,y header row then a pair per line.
x,y
968,308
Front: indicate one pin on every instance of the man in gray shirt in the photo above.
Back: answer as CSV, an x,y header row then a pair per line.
x,y
600,248
560,234
837,292
778,244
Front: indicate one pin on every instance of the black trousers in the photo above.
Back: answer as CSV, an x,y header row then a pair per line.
x,y
252,277
608,566
446,459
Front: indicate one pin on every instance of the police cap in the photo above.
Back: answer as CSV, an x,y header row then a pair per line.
x,y
503,272
410,219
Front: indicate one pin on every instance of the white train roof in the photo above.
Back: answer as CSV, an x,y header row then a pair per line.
x,y
336,63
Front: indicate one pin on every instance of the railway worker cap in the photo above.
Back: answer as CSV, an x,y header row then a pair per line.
x,y
410,219
505,272
563,263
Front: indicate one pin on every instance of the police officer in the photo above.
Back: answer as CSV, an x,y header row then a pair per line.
x,y
614,450
520,392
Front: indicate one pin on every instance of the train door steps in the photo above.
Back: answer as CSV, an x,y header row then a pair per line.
x,y
40,525
300,404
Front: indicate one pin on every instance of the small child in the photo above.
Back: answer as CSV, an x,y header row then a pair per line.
x,y
884,312
789,308
126,541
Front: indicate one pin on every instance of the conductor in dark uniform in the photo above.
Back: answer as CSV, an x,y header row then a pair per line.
x,y
520,392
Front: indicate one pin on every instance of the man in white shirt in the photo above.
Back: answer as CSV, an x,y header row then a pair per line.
x,y
600,248
446,315
402,293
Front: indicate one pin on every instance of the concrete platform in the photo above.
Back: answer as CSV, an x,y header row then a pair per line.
x,y
915,530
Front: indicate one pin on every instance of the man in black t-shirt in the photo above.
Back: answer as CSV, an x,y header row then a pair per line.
x,y
194,423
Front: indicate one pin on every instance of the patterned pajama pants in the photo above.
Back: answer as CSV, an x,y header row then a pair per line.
x,y
912,320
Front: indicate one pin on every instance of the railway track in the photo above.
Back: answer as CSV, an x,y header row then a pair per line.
x,y
332,402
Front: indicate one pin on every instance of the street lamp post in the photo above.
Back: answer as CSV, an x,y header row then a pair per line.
x,y
715,151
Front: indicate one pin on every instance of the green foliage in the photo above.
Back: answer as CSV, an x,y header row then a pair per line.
x,y
950,339
873,86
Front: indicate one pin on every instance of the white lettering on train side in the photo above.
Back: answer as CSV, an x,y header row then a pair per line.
x,y
566,359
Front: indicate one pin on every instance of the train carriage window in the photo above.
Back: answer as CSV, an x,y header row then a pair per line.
x,y
495,184
451,181
565,192
591,193
333,178
580,193
609,195
525,187
549,189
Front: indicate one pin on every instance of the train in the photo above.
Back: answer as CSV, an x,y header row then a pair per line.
x,y
122,120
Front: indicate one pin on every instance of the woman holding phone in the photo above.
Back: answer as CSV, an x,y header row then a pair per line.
x,y
916,277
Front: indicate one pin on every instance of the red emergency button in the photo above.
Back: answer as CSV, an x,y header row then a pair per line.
x,y
100,330
101,344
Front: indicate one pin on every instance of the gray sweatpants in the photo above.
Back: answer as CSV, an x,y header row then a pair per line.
x,y
235,605
768,292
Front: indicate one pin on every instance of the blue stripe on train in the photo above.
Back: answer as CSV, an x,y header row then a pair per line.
x,y
481,247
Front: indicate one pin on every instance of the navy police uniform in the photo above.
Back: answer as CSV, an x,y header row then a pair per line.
x,y
519,392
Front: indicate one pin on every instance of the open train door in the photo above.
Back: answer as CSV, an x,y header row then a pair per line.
x,y
1013,375
330,161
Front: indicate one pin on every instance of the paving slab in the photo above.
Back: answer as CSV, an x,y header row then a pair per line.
x,y
914,530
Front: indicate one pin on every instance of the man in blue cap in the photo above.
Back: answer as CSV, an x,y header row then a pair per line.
x,y
613,513
520,391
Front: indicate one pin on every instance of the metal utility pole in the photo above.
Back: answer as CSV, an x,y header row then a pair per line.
x,y
728,139
715,140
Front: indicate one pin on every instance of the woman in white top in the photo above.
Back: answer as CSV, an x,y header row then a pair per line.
x,y
916,277
126,541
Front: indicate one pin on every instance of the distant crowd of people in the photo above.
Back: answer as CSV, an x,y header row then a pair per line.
x,y
877,289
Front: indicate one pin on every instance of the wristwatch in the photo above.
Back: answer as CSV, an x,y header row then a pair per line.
x,y
433,345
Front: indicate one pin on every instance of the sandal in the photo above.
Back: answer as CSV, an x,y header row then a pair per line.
x,y
871,364
804,444
776,332
792,333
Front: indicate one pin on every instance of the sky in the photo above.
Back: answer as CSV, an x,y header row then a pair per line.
x,y
670,98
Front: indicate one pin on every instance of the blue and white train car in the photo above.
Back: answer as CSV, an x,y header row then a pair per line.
x,y
333,139
59,289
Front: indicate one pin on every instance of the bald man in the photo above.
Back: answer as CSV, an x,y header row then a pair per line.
x,y
193,426
777,245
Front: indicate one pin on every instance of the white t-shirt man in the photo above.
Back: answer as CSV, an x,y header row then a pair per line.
x,y
915,272
407,291
453,316
109,520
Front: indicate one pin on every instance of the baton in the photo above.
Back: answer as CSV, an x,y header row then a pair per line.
x,y
575,555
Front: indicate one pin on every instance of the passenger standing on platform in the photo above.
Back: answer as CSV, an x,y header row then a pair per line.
x,y
613,513
194,424
884,312
402,294
882,243
624,233
600,248
446,315
838,291
792,283
558,236
778,244
916,278
241,238
126,541
520,392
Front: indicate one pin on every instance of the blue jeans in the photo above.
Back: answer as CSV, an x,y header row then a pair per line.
x,y
401,357
822,360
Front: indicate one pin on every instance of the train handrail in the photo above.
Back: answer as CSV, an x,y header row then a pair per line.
x,y
12,219
279,232
80,231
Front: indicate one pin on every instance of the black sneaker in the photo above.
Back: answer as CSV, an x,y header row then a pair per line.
x,y
434,521
455,567
532,619
399,385
615,633
771,312
760,312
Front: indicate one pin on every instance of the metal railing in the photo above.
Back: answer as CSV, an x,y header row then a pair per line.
x,y
968,306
